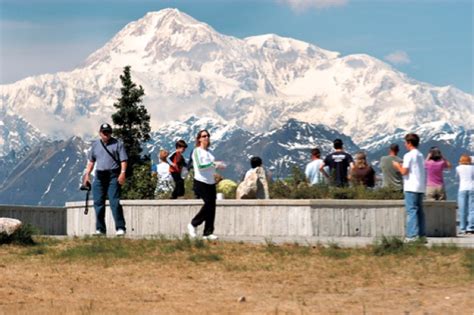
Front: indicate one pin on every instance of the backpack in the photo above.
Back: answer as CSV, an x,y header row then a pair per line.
x,y
247,189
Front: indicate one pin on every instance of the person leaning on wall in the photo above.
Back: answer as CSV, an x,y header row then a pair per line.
x,y
435,164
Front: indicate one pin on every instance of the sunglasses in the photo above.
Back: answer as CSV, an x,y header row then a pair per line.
x,y
204,136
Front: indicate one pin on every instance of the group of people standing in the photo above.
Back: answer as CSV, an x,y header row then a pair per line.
x,y
417,177
412,174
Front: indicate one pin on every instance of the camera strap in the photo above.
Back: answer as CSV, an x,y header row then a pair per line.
x,y
111,155
86,209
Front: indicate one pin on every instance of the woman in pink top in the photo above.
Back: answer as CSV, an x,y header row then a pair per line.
x,y
435,164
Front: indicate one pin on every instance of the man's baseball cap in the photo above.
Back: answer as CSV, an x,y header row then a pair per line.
x,y
105,128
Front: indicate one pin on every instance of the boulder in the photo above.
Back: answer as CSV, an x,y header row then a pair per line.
x,y
9,225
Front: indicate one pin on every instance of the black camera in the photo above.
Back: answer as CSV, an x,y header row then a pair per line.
x,y
86,186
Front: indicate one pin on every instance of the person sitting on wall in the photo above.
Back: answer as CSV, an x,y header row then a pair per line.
x,y
255,183
435,164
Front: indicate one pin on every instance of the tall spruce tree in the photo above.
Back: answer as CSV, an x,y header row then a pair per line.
x,y
132,126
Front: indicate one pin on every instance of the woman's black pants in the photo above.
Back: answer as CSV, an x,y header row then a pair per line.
x,y
207,213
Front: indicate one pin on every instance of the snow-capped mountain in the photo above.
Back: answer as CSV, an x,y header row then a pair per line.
x,y
263,95
50,173
280,148
16,134
258,83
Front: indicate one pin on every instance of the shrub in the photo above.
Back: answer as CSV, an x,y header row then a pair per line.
x,y
295,187
22,236
228,188
394,246
388,245
142,185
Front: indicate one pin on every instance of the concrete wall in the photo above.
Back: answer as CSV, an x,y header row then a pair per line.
x,y
270,218
48,220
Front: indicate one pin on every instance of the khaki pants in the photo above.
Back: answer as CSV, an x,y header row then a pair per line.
x,y
435,193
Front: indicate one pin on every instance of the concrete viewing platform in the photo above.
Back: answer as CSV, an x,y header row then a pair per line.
x,y
347,223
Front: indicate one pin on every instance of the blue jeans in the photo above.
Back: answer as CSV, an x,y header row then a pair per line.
x,y
106,184
415,225
466,210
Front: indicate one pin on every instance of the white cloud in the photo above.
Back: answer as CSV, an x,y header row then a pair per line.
x,y
398,57
303,5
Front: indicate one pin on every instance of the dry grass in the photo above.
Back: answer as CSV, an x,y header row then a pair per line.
x,y
110,276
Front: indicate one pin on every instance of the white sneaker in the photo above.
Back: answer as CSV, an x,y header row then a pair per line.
x,y
210,237
98,233
120,232
191,231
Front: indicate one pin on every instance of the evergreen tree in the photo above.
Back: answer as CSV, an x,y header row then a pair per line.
x,y
141,185
133,128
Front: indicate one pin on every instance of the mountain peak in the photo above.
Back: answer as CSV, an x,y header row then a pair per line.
x,y
152,38
162,17
256,83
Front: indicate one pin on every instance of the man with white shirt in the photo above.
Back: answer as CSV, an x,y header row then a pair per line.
x,y
414,186
313,175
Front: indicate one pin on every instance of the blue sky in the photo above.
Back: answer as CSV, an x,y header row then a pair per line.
x,y
430,40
